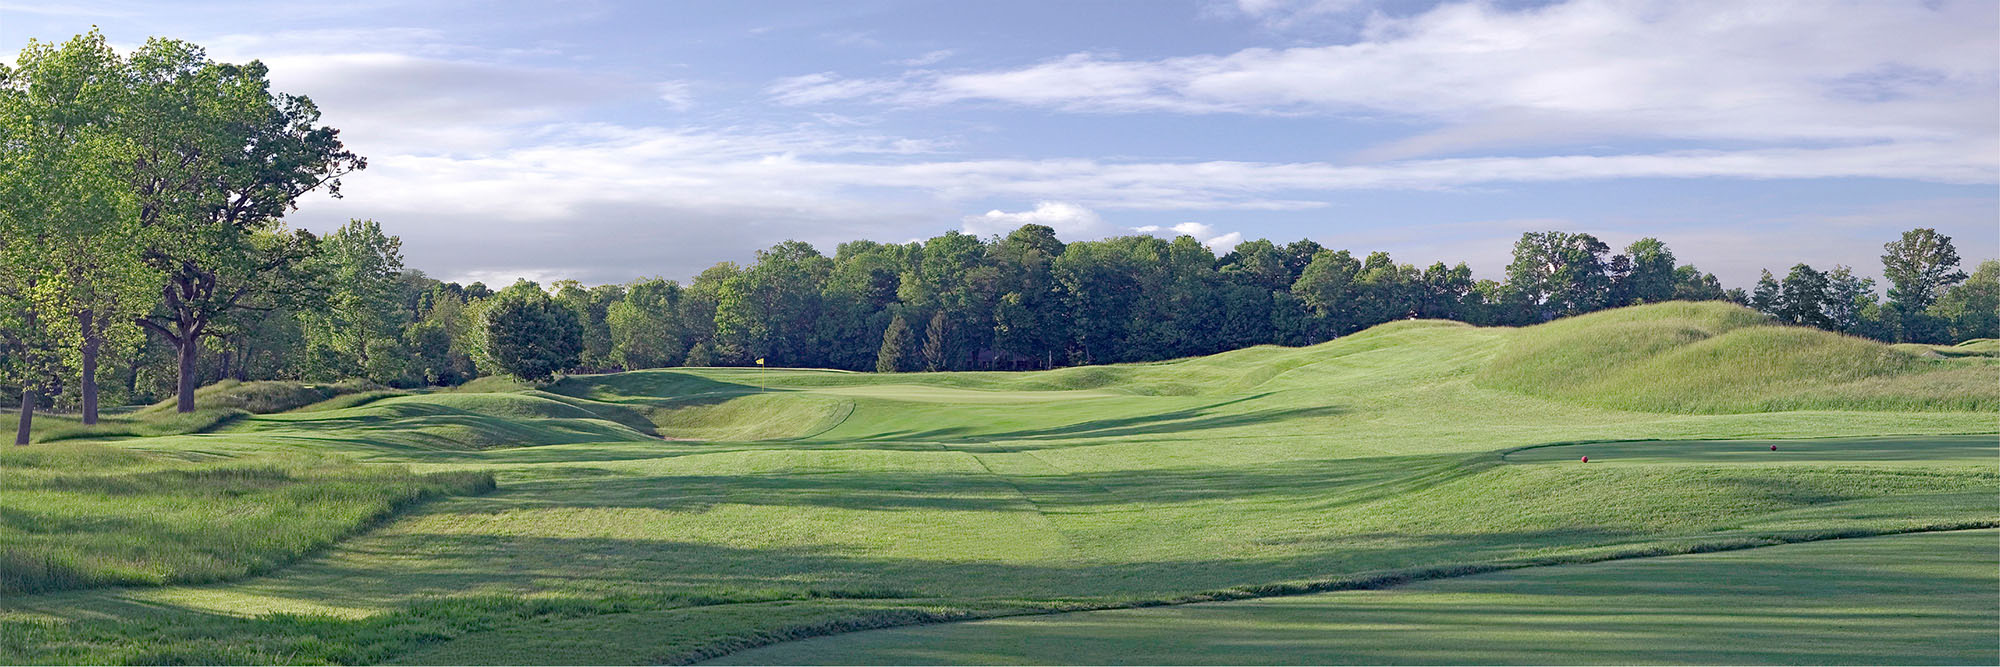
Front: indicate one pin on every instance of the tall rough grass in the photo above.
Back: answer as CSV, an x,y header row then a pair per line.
x,y
265,396
80,515
1721,358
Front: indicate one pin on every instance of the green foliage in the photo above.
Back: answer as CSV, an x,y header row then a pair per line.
x,y
1835,300
1562,273
71,275
221,246
531,335
936,342
644,327
700,355
591,305
433,358
1972,309
1919,267
770,311
895,354
356,331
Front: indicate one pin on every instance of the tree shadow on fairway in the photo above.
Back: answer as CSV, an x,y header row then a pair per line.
x,y
384,573
1319,483
1912,599
1184,421
1971,448
884,491
655,387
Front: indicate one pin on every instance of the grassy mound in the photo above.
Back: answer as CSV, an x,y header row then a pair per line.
x,y
447,421
265,396
79,515
752,417
1721,358
1989,347
54,428
355,399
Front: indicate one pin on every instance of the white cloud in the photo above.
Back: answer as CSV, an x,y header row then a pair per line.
x,y
1202,232
649,200
1285,14
498,278
1069,220
1812,71
928,58
679,95
1224,242
807,89
476,153
381,99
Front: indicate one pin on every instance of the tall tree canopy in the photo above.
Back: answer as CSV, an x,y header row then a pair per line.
x,y
1559,272
531,335
70,272
218,160
1919,266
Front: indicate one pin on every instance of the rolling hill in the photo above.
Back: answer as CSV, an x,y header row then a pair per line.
x,y
674,515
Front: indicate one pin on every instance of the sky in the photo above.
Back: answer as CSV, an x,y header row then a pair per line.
x,y
606,141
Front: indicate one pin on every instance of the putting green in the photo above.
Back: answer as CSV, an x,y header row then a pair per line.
x,y
1975,449
1905,599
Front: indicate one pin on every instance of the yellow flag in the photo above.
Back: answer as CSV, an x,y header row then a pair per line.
x,y
760,361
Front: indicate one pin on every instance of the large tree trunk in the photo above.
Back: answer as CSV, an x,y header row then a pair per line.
x,y
184,398
27,417
88,385
243,360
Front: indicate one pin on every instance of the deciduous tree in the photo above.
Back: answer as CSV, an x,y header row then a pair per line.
x,y
532,336
218,161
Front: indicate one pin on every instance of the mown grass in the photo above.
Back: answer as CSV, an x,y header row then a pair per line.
x,y
79,515
1908,599
1261,471
311,639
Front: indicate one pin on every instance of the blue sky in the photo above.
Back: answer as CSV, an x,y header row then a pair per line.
x,y
605,141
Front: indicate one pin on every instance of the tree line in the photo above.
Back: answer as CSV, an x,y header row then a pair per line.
x,y
1029,300
142,242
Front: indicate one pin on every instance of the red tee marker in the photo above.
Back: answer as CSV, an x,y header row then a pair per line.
x,y
1774,448
1586,459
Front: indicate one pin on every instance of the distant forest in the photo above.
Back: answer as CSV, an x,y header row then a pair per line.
x,y
1024,301
143,252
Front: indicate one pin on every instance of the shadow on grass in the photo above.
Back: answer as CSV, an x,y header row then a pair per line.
x,y
1320,483
1189,420
655,387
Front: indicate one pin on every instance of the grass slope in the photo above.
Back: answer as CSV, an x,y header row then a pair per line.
x,y
79,515
1717,357
779,504
1906,599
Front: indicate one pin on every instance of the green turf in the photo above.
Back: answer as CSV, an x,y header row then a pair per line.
x,y
78,515
1971,450
1906,599
676,497
1717,357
